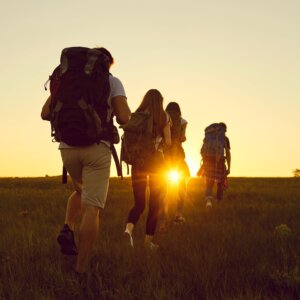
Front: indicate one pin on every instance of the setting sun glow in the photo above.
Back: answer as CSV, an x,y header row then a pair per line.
x,y
174,176
221,61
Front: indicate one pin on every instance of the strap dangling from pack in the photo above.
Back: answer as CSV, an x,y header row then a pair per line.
x,y
116,159
64,178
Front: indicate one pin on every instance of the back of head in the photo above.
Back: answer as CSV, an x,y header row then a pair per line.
x,y
173,106
107,54
153,103
173,109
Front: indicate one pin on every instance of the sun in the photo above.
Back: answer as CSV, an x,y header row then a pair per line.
x,y
173,176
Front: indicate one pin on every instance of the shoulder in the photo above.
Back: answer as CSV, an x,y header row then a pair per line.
x,y
114,81
183,121
117,88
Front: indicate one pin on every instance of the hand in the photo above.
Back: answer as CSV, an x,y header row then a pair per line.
x,y
227,171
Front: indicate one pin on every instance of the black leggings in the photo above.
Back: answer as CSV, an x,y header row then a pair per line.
x,y
139,184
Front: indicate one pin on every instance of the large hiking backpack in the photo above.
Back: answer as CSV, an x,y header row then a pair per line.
x,y
138,142
79,89
214,142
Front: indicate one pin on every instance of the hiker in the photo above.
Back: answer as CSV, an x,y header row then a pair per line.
x,y
151,167
175,162
88,164
216,157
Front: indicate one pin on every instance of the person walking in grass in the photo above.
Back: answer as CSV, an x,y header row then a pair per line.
x,y
216,158
149,170
88,163
175,163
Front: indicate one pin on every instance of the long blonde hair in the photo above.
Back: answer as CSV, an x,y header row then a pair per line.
x,y
153,102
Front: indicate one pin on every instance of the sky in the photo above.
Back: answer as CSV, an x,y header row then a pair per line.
x,y
231,61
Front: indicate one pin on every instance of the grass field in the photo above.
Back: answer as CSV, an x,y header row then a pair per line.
x,y
245,247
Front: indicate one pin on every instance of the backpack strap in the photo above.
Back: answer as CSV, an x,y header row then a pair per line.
x,y
64,178
116,159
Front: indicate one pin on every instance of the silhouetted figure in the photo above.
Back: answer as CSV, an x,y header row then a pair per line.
x,y
175,162
150,170
216,158
85,91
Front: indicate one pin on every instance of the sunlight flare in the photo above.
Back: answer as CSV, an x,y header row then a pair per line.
x,y
173,176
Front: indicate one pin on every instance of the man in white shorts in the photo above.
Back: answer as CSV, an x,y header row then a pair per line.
x,y
89,168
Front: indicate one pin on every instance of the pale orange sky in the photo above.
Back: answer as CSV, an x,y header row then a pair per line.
x,y
230,61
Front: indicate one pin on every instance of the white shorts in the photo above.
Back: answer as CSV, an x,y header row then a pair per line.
x,y
89,168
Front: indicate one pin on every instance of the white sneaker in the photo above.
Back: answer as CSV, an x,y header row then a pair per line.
x,y
179,220
151,246
208,202
128,236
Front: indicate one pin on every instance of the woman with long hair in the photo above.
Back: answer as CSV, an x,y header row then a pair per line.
x,y
175,162
150,172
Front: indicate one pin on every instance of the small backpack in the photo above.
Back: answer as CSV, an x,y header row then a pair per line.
x,y
176,127
138,141
175,152
214,142
79,89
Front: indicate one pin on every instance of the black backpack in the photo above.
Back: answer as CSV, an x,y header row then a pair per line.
x,y
79,89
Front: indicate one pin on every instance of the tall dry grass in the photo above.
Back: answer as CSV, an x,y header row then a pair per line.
x,y
236,250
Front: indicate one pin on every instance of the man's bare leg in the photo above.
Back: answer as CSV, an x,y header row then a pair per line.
x,y
88,233
73,209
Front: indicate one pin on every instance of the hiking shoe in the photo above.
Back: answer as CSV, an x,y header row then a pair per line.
x,y
128,238
179,220
66,241
208,202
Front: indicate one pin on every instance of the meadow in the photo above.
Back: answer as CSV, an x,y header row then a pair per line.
x,y
245,247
